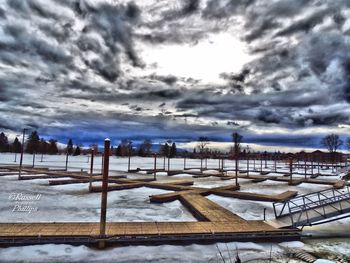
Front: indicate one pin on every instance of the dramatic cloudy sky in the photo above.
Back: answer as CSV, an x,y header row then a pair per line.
x,y
277,71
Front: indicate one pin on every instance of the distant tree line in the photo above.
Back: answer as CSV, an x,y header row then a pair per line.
x,y
35,144
126,148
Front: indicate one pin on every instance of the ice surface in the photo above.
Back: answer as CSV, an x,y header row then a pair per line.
x,y
163,253
74,203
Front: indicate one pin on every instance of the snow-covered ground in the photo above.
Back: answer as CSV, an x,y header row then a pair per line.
x,y
74,203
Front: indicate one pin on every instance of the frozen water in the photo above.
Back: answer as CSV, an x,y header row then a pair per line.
x,y
73,203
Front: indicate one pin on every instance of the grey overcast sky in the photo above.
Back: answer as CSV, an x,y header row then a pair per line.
x,y
276,71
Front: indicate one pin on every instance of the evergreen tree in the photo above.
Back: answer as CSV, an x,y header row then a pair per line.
x,y
77,151
43,146
147,144
118,152
16,146
173,150
4,143
141,152
33,143
165,149
70,147
124,148
52,149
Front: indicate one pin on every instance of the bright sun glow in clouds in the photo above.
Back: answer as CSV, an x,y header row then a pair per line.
x,y
205,60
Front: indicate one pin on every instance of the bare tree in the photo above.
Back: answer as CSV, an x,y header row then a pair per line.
x,y
202,144
332,142
147,145
237,139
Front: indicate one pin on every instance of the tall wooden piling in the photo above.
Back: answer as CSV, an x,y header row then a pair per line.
x,y
102,163
129,160
21,159
91,168
248,164
104,192
67,159
33,160
236,168
155,167
290,169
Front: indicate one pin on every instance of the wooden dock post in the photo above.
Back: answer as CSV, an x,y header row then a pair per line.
x,y
305,170
184,163
102,163
91,168
261,163
21,159
129,160
155,167
248,164
236,168
67,159
104,192
33,160
291,170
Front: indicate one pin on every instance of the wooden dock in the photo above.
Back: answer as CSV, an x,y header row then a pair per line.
x,y
295,181
152,233
215,222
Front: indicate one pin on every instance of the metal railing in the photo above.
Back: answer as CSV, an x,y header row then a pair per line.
x,y
300,207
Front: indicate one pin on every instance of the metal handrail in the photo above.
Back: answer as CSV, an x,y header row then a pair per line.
x,y
294,206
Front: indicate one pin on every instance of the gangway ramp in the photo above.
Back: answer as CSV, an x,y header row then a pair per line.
x,y
322,206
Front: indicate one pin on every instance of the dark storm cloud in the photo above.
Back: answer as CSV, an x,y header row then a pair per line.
x,y
67,64
141,91
223,9
170,79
